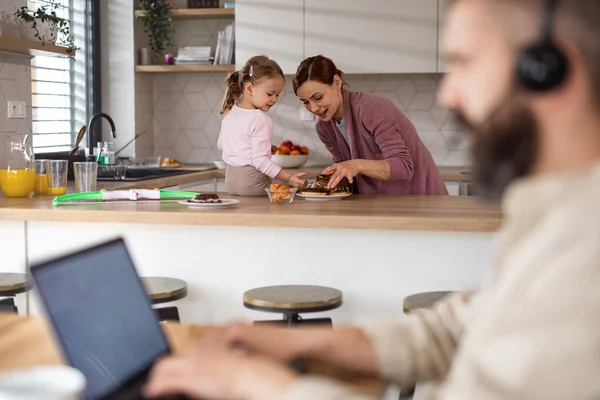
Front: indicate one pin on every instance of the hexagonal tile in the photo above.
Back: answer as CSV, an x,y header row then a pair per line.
x,y
422,120
439,114
197,83
451,123
9,68
458,158
199,155
182,81
439,150
165,152
212,129
423,101
287,102
168,138
182,148
424,82
428,135
9,88
386,83
197,139
182,111
166,101
23,81
197,120
357,83
197,102
167,121
156,129
406,91
166,84
456,140
214,93
290,120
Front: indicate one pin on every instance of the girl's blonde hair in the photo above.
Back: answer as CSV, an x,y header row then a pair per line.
x,y
255,69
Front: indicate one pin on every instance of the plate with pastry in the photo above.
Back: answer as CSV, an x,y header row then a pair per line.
x,y
209,200
320,192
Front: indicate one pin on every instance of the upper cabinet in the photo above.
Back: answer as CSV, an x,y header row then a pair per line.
x,y
373,36
271,27
442,13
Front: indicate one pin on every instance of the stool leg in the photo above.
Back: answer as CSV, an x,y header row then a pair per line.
x,y
167,314
407,393
8,305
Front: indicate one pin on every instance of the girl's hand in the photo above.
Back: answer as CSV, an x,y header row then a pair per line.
x,y
346,169
297,181
219,373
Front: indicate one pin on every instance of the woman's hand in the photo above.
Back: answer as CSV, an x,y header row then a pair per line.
x,y
346,169
219,374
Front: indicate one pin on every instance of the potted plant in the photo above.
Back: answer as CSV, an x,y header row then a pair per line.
x,y
45,25
157,25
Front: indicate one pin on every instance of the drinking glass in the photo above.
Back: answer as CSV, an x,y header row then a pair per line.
x,y
86,175
41,178
57,177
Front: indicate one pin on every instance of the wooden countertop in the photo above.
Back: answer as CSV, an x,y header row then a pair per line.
x,y
27,342
428,213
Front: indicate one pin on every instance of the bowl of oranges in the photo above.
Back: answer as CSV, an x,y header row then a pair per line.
x,y
289,154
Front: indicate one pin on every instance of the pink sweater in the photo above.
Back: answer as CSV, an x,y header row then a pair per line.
x,y
378,130
245,139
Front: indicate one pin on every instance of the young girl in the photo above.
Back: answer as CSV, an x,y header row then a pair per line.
x,y
246,130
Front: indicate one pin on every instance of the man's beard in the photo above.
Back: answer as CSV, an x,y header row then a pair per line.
x,y
503,148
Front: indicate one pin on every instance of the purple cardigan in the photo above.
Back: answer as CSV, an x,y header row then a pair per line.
x,y
378,130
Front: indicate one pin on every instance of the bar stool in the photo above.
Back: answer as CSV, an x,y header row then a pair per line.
x,y
164,290
420,301
293,300
12,284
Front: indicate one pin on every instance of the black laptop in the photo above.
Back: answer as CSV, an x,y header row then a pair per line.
x,y
102,318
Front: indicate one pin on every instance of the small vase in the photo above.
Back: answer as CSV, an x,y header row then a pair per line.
x,y
145,56
46,30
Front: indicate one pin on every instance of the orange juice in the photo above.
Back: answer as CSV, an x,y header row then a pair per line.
x,y
41,185
57,191
17,182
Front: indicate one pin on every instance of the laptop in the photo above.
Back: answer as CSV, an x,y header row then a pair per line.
x,y
102,318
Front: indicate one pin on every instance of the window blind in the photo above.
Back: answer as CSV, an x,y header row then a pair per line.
x,y
60,86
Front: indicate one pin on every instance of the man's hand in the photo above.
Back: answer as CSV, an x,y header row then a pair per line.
x,y
219,373
346,169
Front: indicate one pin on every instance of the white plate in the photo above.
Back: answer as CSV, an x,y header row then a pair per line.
x,y
332,197
225,203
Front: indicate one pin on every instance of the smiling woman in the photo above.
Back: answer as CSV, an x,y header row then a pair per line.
x,y
372,143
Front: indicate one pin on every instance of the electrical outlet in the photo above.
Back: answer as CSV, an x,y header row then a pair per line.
x,y
17,110
306,115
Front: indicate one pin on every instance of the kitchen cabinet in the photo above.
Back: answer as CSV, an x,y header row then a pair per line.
x,y
377,36
271,27
442,7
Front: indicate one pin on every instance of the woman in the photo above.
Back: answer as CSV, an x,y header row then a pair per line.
x,y
371,140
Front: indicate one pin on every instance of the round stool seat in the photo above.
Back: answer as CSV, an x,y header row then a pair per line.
x,y
164,290
12,284
423,301
293,299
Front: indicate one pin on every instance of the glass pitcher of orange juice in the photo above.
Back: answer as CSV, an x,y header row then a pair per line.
x,y
17,169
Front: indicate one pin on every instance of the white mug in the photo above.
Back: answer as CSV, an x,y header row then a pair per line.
x,y
48,383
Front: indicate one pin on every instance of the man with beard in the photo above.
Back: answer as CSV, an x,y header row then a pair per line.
x,y
531,96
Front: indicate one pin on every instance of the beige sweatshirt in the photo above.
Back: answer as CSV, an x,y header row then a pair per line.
x,y
533,329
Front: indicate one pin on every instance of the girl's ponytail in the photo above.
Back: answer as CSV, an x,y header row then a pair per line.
x,y
233,91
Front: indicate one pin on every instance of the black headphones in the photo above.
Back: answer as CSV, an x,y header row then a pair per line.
x,y
543,66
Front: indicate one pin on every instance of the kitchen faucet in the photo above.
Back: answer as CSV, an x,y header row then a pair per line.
x,y
95,117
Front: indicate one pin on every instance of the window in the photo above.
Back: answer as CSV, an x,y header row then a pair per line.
x,y
62,89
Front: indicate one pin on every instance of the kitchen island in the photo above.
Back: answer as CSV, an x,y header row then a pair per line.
x,y
375,249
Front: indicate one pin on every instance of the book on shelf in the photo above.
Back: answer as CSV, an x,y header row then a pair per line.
x,y
225,46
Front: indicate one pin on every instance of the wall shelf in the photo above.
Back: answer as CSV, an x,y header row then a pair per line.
x,y
30,47
179,13
163,69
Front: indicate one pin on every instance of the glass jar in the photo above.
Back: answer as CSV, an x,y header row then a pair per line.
x,y
17,165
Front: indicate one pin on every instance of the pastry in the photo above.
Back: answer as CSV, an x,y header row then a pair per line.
x,y
322,181
320,188
205,198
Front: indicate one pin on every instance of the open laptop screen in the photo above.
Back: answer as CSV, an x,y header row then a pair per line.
x,y
101,314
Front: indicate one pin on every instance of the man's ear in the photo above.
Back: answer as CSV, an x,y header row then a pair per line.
x,y
248,86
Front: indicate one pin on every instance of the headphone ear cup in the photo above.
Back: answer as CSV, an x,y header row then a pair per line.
x,y
542,67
